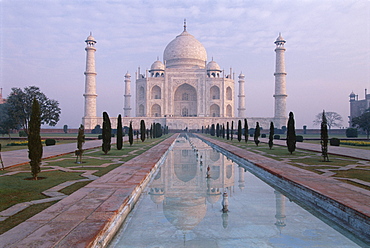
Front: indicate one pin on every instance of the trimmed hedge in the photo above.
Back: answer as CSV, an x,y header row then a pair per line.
x,y
276,136
334,142
50,142
299,138
263,135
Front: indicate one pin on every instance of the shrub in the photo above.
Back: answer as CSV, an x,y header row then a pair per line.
x,y
299,138
100,136
50,142
263,135
351,133
334,142
251,135
22,133
276,136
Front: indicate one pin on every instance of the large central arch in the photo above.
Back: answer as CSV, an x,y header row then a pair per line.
x,y
185,101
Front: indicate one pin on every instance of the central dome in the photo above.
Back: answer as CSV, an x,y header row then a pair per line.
x,y
185,52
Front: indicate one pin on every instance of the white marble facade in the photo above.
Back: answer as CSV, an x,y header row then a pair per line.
x,y
185,91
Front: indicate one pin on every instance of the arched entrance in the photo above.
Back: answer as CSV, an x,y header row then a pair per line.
x,y
185,101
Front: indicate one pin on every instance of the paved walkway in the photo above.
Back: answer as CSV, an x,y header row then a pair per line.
x,y
18,157
90,216
335,150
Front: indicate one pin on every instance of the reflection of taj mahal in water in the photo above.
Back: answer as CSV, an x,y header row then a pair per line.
x,y
186,91
183,188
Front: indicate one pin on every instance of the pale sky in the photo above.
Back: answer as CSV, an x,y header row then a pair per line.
x,y
327,56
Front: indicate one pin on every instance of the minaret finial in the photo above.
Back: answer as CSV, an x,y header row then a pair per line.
x,y
158,58
184,24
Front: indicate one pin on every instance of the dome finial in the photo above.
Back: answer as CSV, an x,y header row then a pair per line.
x,y
184,24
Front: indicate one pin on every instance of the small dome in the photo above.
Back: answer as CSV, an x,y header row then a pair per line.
x,y
280,39
213,66
213,197
90,38
157,65
185,51
352,94
127,75
241,75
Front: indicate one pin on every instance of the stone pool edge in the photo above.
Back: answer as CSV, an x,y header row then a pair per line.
x,y
350,209
90,216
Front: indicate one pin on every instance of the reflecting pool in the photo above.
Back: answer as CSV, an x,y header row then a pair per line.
x,y
183,207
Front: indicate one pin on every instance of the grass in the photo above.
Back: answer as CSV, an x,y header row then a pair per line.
x,y
15,189
308,160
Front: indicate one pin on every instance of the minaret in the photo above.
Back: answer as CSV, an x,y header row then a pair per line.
x,y
280,210
127,107
89,119
241,109
280,84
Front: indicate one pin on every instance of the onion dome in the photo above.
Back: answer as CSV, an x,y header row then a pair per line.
x,y
127,75
241,76
213,66
352,94
185,51
157,66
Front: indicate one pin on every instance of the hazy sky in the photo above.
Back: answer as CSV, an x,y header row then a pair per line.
x,y
327,56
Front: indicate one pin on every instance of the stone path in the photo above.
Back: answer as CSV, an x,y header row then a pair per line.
x,y
90,216
17,157
335,150
87,217
352,202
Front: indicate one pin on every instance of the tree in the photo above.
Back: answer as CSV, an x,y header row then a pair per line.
x,y
106,134
80,142
142,130
213,130
271,135
6,123
34,139
239,130
246,133
227,131
363,122
20,102
130,134
223,131
158,130
119,143
232,130
333,119
218,130
324,138
65,128
257,134
291,137
1,160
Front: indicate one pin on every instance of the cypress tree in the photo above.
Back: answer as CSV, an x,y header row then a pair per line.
x,y
142,130
227,131
218,130
80,142
130,134
34,139
246,133
223,131
151,131
324,137
119,143
271,136
213,130
158,130
257,134
291,137
239,130
106,133
232,130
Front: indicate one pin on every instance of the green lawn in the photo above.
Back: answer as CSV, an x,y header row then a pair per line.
x,y
17,188
308,160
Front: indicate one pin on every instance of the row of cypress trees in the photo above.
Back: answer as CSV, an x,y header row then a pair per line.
x,y
219,130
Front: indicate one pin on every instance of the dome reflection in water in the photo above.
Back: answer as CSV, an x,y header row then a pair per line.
x,y
182,207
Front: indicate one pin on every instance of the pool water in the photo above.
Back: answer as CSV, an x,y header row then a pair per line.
x,y
183,207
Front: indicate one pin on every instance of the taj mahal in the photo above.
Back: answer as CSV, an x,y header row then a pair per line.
x,y
184,91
